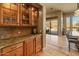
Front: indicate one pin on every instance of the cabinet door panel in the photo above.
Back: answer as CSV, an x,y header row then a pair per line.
x,y
19,51
0,52
30,46
38,43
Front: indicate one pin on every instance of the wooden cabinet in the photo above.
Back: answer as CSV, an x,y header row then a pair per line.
x,y
29,15
19,51
11,53
16,14
38,44
0,52
33,45
29,47
25,14
33,16
14,50
9,14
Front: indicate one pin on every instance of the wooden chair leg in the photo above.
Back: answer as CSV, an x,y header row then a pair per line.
x,y
69,46
77,47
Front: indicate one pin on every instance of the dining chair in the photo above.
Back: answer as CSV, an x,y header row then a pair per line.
x,y
72,39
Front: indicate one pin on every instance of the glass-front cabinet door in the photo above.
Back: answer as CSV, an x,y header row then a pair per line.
x,y
9,13
25,14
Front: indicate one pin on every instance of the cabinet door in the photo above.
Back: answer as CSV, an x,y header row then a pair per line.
x,y
38,43
19,51
30,47
9,14
33,15
12,53
24,14
0,52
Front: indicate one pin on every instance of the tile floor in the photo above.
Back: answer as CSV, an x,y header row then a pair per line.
x,y
58,46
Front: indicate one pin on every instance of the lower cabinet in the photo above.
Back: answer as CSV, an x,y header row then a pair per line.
x,y
11,53
0,52
19,51
33,45
38,44
29,47
14,50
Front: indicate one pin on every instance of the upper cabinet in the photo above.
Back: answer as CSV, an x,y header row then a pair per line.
x,y
29,15
33,16
16,14
9,14
24,14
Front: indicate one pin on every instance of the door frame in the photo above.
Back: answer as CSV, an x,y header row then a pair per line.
x,y
52,18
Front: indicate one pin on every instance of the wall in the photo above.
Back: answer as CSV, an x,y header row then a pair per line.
x,y
8,32
44,26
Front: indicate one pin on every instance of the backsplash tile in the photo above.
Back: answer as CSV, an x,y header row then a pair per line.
x,y
8,32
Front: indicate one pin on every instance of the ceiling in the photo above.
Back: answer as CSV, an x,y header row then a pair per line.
x,y
65,7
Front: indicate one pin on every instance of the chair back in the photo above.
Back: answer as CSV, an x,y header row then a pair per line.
x,y
67,33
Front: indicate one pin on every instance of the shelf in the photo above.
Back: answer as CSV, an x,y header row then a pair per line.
x,y
9,25
10,13
6,15
25,15
10,9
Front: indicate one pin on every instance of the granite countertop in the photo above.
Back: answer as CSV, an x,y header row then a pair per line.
x,y
10,41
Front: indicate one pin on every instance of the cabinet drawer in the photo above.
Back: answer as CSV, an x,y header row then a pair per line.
x,y
19,45
12,53
12,47
8,49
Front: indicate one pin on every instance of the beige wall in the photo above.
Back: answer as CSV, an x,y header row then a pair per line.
x,y
44,26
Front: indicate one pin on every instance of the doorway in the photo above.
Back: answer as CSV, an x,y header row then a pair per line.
x,y
52,30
